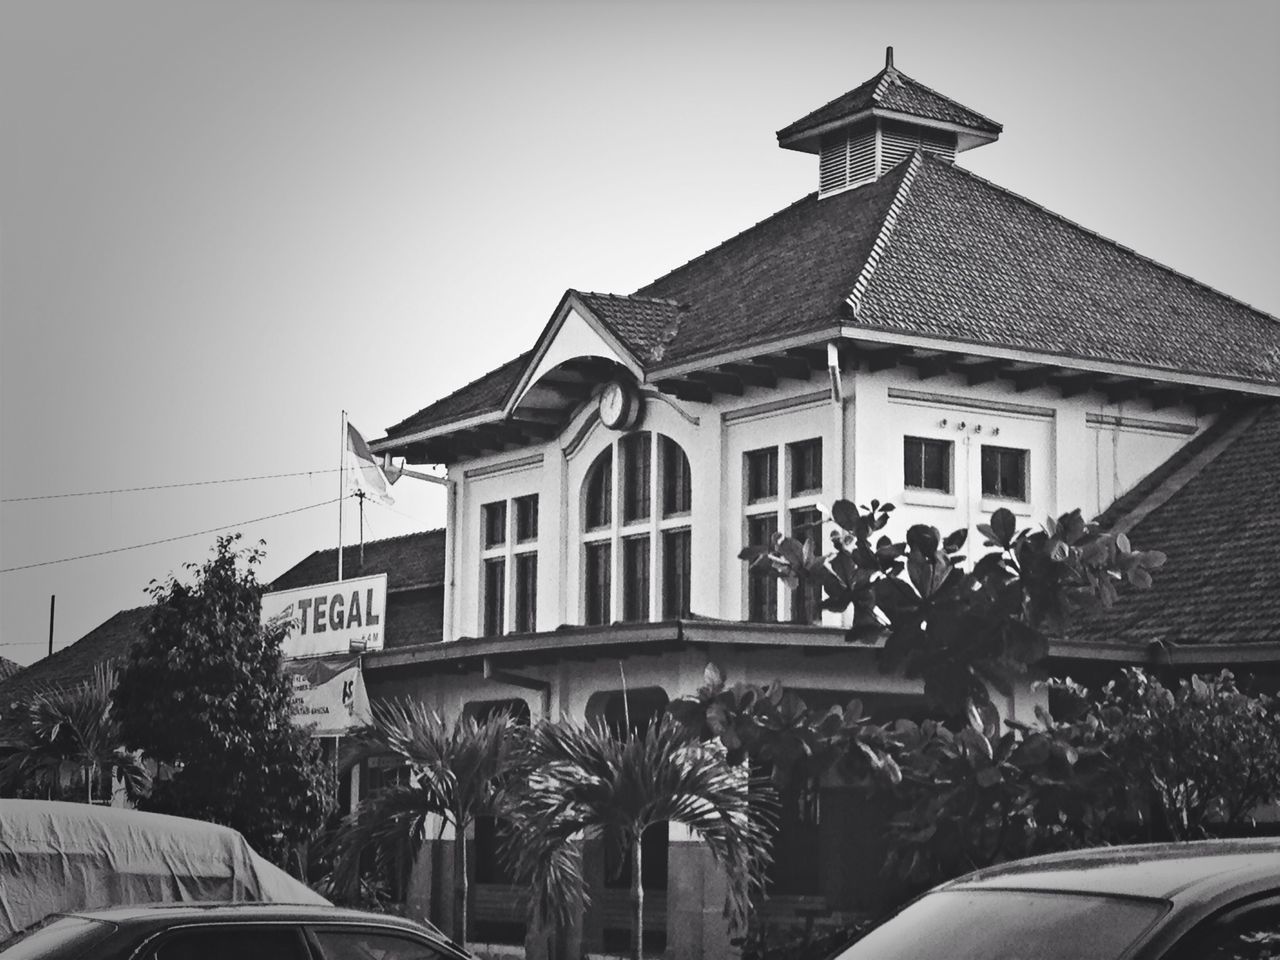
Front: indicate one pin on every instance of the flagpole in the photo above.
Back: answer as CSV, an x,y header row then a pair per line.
x,y
360,495
342,487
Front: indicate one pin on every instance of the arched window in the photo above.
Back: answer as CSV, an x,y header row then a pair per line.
x,y
636,533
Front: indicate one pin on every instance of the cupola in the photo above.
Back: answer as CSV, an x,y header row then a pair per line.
x,y
863,134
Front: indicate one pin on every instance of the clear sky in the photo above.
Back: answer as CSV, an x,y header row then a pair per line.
x,y
222,222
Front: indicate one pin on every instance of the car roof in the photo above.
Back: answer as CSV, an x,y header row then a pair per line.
x,y
1202,869
163,914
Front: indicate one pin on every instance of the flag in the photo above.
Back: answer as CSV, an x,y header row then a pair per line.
x,y
369,477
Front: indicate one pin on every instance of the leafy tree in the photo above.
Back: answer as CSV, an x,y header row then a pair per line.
x,y
203,693
959,631
457,772
1200,756
584,777
54,728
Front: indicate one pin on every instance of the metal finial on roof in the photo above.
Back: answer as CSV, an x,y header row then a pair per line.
x,y
888,58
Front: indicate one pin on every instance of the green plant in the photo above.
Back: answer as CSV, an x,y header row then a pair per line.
x,y
54,728
960,632
585,777
202,693
457,772
1199,756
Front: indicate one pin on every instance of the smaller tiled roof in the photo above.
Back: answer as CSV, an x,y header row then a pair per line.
x,y
107,643
414,565
645,324
415,560
485,394
8,668
1219,529
891,89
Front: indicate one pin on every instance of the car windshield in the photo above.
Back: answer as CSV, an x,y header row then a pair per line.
x,y
1009,925
56,937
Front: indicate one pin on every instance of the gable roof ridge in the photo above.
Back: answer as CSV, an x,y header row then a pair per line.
x,y
942,96
724,243
1107,240
1168,486
873,82
518,359
886,231
665,301
887,75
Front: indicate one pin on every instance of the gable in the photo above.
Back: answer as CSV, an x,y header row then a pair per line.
x,y
574,334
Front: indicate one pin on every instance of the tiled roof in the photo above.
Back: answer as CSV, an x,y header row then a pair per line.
x,y
483,395
8,668
109,642
646,325
963,261
414,565
412,560
972,262
896,92
1220,530
788,274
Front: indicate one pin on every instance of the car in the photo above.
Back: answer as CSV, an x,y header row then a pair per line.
x,y
1205,900
233,931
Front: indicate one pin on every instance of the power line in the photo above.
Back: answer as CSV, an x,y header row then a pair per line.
x,y
168,486
184,536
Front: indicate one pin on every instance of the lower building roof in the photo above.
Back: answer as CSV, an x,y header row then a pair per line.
x,y
108,643
1214,510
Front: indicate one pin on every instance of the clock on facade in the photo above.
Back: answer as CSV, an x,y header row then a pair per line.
x,y
619,406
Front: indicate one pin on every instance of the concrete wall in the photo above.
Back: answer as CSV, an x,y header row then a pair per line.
x,y
1082,452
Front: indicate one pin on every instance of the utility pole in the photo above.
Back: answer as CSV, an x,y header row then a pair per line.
x,y
52,599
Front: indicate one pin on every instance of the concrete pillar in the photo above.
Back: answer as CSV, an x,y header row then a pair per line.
x,y
696,887
591,933
430,890
1073,457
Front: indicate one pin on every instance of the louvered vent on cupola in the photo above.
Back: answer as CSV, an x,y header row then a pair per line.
x,y
899,140
863,153
849,158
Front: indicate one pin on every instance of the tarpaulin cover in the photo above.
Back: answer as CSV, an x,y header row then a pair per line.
x,y
56,857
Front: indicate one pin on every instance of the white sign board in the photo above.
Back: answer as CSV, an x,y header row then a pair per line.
x,y
328,696
336,617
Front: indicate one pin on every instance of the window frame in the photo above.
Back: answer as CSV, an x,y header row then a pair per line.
x,y
949,464
1024,457
653,525
780,507
510,550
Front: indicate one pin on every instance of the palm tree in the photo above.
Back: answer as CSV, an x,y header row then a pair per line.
x,y
586,777
456,772
55,727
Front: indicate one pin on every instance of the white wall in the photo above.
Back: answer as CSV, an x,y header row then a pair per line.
x,y
1083,452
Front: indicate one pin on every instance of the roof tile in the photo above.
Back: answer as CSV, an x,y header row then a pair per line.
x,y
788,274
414,565
900,93
645,324
969,261
1221,583
485,394
107,643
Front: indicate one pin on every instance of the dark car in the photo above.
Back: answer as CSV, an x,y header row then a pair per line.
x,y
1211,900
239,931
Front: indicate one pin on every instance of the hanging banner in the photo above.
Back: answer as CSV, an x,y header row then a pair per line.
x,y
341,617
329,695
